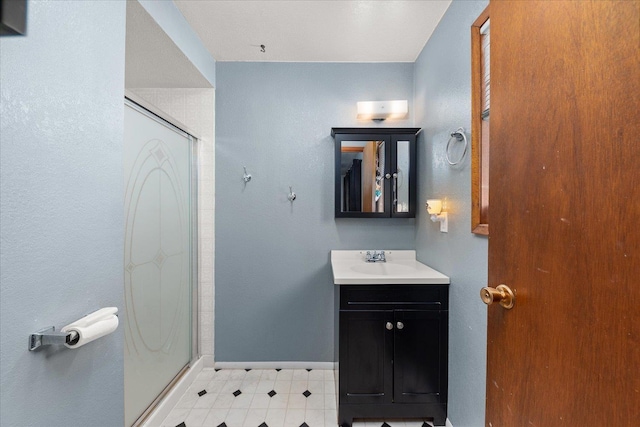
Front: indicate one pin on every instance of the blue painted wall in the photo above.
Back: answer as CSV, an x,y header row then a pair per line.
x,y
442,104
61,219
274,288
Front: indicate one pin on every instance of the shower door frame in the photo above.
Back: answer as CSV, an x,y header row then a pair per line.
x,y
164,119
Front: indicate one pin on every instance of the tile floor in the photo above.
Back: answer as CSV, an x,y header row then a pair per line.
x,y
265,398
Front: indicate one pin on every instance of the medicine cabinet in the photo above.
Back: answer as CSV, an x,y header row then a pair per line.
x,y
375,172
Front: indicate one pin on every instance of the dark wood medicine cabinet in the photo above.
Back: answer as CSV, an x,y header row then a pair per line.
x,y
375,172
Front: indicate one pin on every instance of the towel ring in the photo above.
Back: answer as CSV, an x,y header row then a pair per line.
x,y
460,136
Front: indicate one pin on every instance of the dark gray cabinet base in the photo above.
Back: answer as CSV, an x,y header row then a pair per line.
x,y
392,352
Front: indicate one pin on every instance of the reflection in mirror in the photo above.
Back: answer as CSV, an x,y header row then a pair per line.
x,y
402,180
362,174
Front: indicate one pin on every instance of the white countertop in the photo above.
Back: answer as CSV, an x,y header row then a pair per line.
x,y
401,268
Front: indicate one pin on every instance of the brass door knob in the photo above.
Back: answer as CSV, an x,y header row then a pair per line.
x,y
501,294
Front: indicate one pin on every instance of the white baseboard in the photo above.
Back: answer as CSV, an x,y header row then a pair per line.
x,y
449,423
274,365
174,395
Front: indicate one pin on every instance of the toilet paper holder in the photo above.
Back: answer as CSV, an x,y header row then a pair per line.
x,y
94,325
49,336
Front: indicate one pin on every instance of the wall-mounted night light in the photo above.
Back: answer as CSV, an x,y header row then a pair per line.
x,y
434,208
382,110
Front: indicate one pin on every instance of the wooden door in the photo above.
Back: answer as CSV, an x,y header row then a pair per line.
x,y
565,214
369,159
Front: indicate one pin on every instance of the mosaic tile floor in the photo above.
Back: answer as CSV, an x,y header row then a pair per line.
x,y
265,398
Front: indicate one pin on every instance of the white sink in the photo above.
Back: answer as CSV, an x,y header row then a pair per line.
x,y
350,268
382,268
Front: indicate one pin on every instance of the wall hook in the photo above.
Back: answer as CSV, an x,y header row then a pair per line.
x,y
292,195
247,176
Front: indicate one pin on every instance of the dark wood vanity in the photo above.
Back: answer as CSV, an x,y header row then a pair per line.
x,y
392,352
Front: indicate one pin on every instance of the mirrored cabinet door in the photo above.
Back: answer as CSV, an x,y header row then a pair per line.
x,y
363,186
401,177
374,172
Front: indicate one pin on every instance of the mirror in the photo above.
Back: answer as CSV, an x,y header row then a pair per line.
x,y
402,179
362,169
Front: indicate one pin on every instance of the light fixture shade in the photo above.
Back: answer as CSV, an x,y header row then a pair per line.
x,y
434,206
381,110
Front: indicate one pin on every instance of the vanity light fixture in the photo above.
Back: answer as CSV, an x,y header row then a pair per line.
x,y
434,208
381,110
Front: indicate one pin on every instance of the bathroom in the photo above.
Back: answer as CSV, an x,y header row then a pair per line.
x,y
271,293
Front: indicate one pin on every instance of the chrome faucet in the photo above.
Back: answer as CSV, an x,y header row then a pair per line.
x,y
376,256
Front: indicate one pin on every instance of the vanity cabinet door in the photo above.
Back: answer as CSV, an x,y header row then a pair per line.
x,y
366,351
420,356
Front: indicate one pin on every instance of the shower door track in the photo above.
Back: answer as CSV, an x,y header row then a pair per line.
x,y
143,418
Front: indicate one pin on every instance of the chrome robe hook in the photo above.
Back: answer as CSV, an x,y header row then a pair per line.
x,y
247,176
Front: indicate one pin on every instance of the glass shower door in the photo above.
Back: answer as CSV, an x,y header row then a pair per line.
x,y
158,257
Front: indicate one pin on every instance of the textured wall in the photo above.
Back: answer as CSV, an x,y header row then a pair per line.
x,y
274,288
442,104
169,17
61,216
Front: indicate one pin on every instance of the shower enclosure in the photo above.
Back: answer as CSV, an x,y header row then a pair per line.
x,y
160,258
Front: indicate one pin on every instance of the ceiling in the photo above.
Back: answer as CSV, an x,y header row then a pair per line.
x,y
314,31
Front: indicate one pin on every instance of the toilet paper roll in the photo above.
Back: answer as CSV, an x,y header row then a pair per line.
x,y
94,317
91,327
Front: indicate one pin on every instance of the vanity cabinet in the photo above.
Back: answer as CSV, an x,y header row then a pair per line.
x,y
392,354
375,172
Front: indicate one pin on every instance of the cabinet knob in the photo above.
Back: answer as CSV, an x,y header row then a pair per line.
x,y
388,176
400,325
389,326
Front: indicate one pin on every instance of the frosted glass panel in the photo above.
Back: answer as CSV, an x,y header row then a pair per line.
x,y
402,190
157,258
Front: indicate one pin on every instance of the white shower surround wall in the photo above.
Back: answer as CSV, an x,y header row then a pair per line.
x,y
194,107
